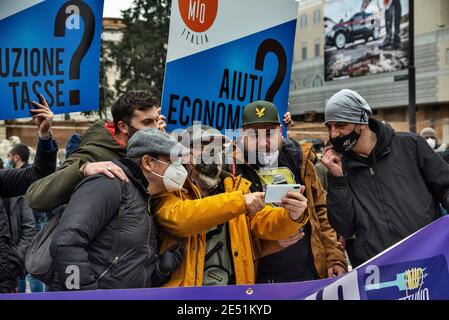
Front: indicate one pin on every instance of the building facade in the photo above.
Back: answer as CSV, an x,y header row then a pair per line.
x,y
386,95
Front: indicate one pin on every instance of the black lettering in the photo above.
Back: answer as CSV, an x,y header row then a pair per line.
x,y
14,86
50,98
18,53
47,62
253,78
59,62
35,58
36,90
4,60
25,96
59,84
233,121
184,122
220,116
224,88
209,113
260,88
25,62
233,84
197,115
172,109
241,95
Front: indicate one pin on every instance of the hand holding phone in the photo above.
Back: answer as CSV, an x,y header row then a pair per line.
x,y
254,202
295,203
275,192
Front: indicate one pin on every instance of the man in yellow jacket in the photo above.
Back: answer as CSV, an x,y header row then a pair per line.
x,y
212,218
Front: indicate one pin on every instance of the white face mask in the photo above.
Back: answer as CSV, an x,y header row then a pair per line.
x,y
268,158
174,177
432,143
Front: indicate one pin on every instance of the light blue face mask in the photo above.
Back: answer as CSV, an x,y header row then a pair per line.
x,y
8,164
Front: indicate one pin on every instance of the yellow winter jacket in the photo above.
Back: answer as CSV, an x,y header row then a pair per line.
x,y
186,216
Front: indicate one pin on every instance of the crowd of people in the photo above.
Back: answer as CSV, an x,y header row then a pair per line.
x,y
134,206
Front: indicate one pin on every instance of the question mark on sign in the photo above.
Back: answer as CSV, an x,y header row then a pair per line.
x,y
68,9
267,46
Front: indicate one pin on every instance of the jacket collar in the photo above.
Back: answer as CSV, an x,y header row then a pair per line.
x,y
384,135
134,173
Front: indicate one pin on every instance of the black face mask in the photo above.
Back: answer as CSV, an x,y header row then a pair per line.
x,y
131,130
211,170
346,143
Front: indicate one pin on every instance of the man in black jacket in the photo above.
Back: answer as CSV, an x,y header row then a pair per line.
x,y
106,238
15,183
23,225
383,185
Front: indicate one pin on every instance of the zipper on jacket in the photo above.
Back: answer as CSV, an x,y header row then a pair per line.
x,y
371,171
114,262
150,252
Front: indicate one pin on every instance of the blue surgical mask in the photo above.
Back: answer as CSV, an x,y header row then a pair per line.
x,y
9,164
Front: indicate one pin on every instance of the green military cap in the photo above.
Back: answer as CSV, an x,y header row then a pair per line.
x,y
260,112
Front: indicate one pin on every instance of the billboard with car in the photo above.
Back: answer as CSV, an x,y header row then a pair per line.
x,y
365,37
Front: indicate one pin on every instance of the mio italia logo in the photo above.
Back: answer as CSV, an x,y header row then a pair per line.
x,y
198,16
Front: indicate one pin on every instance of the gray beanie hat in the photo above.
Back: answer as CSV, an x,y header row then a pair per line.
x,y
347,106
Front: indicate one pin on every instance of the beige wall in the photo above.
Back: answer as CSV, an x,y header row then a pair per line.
x,y
311,33
444,12
429,14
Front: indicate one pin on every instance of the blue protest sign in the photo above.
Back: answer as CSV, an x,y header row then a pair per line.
x,y
50,47
223,55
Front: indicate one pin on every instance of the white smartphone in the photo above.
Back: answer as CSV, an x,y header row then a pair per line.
x,y
275,192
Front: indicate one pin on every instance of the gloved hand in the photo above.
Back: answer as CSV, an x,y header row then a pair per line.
x,y
171,259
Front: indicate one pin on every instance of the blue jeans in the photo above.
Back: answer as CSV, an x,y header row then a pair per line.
x,y
41,219
35,285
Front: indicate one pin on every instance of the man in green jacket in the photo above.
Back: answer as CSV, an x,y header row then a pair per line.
x,y
101,143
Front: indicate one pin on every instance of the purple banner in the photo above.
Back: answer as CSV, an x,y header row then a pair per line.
x,y
414,269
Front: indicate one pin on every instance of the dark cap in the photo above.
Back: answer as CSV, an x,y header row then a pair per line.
x,y
260,112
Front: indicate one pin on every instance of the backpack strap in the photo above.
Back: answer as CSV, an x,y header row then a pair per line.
x,y
214,232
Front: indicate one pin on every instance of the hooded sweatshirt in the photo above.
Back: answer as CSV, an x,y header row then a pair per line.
x,y
98,144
